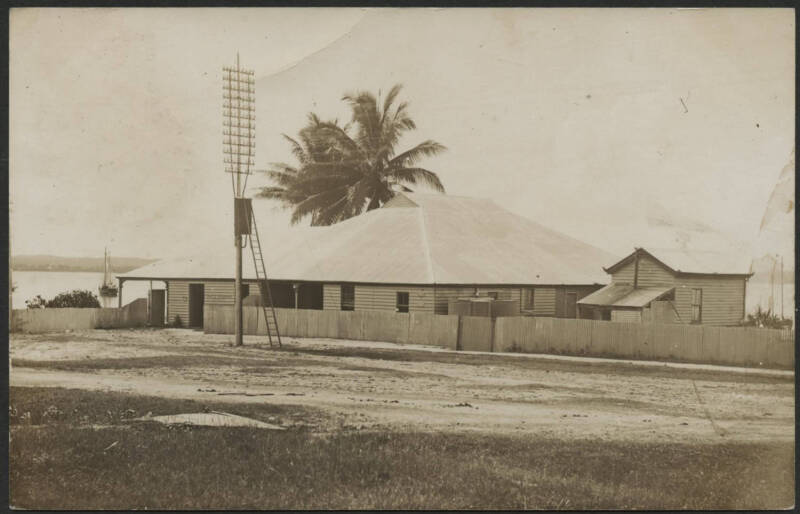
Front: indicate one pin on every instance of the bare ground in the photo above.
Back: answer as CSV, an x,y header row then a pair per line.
x,y
388,387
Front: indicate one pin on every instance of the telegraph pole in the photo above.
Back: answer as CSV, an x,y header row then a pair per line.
x,y
781,287
239,128
10,278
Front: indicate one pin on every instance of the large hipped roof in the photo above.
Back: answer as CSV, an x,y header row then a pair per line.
x,y
413,239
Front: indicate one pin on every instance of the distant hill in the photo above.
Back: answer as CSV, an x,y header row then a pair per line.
x,y
56,263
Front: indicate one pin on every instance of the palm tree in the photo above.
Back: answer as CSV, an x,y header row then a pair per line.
x,y
343,170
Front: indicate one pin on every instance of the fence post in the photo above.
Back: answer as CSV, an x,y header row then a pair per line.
x,y
458,333
491,339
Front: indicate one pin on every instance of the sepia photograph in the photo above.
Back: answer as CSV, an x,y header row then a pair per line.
x,y
346,258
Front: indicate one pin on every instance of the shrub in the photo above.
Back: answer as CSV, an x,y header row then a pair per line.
x,y
178,323
766,319
37,302
75,298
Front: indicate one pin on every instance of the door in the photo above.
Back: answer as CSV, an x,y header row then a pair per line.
x,y
196,299
571,305
157,297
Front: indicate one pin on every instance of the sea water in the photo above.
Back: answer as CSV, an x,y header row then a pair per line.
x,y
50,283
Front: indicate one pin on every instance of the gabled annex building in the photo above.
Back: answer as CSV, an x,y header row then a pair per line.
x,y
670,286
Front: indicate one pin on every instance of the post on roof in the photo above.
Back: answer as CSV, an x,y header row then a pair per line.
x,y
119,295
295,287
636,268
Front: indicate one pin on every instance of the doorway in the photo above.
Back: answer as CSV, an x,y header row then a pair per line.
x,y
196,300
571,305
157,297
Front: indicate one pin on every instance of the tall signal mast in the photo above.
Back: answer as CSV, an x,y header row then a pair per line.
x,y
239,147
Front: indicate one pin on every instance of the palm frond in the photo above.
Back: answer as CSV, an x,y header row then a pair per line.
x,y
313,119
387,103
315,203
271,192
366,118
338,138
409,157
297,149
416,175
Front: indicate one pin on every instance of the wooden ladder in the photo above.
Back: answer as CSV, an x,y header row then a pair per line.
x,y
263,284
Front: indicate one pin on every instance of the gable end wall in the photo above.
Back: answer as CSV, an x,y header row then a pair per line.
x,y
651,273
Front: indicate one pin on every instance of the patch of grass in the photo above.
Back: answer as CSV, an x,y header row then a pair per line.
x,y
65,407
154,467
90,336
627,405
400,373
266,367
538,386
532,363
161,361
256,365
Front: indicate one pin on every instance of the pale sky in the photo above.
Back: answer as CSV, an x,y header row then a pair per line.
x,y
592,122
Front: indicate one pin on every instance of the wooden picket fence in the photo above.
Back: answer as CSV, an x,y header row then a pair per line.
x,y
664,342
738,346
35,321
420,328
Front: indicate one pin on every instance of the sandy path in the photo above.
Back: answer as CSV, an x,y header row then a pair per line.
x,y
526,395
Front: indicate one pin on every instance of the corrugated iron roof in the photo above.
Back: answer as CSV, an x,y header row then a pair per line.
x,y
413,239
607,295
729,262
624,295
703,261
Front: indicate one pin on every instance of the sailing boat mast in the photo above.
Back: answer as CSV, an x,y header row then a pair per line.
x,y
107,288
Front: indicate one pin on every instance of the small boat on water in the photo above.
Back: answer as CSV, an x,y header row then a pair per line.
x,y
107,289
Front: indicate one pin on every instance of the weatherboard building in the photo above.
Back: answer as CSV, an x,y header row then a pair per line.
x,y
416,253
672,286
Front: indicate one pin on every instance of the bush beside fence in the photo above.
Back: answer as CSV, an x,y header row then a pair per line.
x,y
668,342
35,321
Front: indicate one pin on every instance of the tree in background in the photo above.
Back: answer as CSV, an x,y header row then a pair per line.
x,y
37,302
75,298
343,170
766,319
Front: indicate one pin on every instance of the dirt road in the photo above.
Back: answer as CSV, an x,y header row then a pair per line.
x,y
363,385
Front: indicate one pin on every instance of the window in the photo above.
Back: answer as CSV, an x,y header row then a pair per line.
x,y
402,302
348,298
527,299
697,305
490,294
